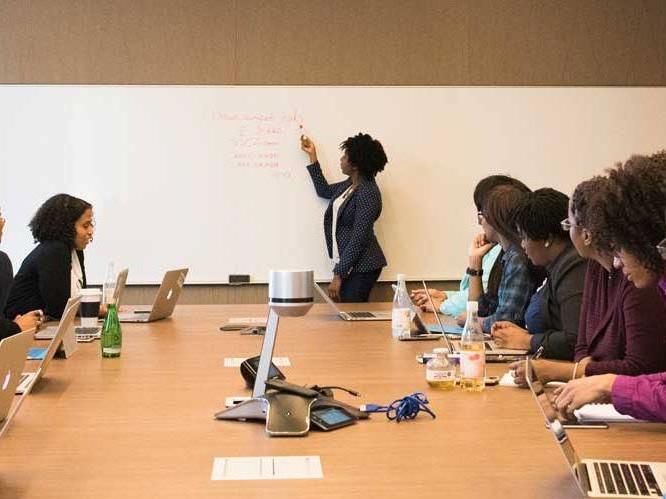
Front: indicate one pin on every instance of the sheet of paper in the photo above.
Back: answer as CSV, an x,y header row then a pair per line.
x,y
266,468
237,361
601,412
250,321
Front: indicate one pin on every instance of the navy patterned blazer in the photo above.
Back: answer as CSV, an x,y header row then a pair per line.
x,y
357,244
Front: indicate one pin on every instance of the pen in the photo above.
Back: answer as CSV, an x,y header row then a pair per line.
x,y
538,353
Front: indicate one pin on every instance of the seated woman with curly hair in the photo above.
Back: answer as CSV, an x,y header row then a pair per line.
x,y
632,223
551,320
53,271
621,327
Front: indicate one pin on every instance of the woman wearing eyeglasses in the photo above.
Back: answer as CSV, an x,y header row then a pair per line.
x,y
519,279
551,321
455,302
20,323
632,222
621,327
53,271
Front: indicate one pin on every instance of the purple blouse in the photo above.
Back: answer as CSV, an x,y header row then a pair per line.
x,y
643,397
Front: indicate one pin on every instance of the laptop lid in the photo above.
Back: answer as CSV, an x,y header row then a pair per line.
x,y
121,280
326,298
66,322
13,352
167,295
552,417
439,321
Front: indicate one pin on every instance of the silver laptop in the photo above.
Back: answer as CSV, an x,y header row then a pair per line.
x,y
165,300
352,316
13,351
596,477
28,379
491,348
49,332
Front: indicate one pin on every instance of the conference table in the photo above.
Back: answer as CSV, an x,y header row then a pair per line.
x,y
142,425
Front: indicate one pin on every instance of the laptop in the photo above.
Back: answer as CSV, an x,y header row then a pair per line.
x,y
352,316
165,300
596,477
69,336
28,379
492,350
13,351
81,332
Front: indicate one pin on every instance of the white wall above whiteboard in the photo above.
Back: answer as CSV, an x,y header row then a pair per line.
x,y
213,177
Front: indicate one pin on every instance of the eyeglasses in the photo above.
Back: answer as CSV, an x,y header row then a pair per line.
x,y
567,225
661,248
480,216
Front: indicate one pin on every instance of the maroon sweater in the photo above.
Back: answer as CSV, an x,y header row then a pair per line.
x,y
622,328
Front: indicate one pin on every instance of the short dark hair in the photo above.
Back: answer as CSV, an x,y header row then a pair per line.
x,y
55,219
539,215
365,153
632,209
583,201
487,184
500,208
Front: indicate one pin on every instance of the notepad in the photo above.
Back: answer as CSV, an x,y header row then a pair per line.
x,y
434,328
266,468
602,412
36,353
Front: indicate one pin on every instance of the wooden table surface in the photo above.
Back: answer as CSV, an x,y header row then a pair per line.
x,y
142,425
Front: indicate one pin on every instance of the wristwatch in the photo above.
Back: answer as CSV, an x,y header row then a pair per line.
x,y
473,272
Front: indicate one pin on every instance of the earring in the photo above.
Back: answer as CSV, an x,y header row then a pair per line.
x,y
547,244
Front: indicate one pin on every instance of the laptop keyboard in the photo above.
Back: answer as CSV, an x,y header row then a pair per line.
x,y
361,315
626,479
87,330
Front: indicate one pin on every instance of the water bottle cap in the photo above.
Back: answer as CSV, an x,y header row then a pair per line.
x,y
440,351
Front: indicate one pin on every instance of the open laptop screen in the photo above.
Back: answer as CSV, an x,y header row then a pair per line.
x,y
551,415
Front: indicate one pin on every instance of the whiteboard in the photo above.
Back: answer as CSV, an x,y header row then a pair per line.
x,y
212,177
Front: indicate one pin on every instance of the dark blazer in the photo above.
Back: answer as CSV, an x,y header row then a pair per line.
x,y
44,280
559,306
621,326
358,246
7,326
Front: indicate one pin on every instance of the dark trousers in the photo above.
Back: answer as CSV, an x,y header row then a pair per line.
x,y
356,286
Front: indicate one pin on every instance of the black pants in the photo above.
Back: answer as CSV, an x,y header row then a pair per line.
x,y
356,286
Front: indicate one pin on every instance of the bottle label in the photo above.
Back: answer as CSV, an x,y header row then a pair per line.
x,y
472,364
432,375
400,322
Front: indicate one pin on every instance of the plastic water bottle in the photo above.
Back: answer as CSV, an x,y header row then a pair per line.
x,y
472,352
401,317
109,284
440,371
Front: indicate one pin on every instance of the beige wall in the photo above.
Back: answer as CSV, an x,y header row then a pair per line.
x,y
252,293
330,42
334,42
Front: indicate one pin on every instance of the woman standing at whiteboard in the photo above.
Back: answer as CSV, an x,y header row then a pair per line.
x,y
355,204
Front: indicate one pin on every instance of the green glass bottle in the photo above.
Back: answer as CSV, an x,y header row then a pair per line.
x,y
112,336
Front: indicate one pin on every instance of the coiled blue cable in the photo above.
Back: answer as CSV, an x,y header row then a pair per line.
x,y
405,408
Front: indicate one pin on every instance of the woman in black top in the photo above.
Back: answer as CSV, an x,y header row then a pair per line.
x,y
54,271
553,314
355,205
20,323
